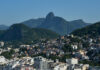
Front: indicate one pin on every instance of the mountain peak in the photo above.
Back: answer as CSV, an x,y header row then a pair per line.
x,y
19,26
79,20
50,15
20,32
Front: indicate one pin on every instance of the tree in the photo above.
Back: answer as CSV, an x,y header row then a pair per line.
x,y
67,48
8,54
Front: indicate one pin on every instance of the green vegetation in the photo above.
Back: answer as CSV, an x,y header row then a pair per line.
x,y
54,57
85,45
33,23
67,48
91,30
8,54
62,58
75,40
20,32
91,63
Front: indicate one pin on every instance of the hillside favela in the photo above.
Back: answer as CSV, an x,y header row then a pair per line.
x,y
49,35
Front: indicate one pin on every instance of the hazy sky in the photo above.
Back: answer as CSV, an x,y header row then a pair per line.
x,y
14,11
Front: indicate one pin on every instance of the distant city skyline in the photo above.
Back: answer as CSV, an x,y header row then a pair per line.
x,y
16,11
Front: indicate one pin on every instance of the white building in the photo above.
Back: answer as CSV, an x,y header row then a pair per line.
x,y
75,47
3,60
61,67
41,63
72,61
1,44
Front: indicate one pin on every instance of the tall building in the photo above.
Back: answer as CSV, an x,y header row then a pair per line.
x,y
41,63
1,44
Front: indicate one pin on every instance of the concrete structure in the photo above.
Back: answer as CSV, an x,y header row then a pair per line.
x,y
3,60
1,44
61,67
72,61
41,63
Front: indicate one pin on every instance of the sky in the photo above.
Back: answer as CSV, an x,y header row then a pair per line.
x,y
16,11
